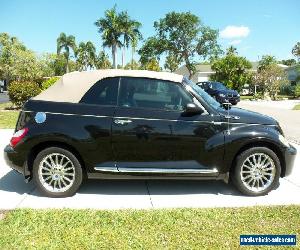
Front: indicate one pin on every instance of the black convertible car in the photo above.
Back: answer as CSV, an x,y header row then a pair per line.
x,y
118,124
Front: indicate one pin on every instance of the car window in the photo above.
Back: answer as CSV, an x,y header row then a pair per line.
x,y
104,92
218,86
153,94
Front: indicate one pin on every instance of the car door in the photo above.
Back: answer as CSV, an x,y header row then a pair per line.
x,y
152,133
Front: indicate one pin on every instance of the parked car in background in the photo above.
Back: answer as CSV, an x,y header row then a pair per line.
x,y
221,93
1,86
134,124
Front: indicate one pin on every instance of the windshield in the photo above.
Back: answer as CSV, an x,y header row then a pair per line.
x,y
206,97
218,86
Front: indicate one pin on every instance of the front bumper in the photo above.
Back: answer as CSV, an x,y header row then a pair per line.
x,y
16,160
232,100
289,157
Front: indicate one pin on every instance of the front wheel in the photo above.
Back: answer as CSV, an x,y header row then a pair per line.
x,y
257,171
57,172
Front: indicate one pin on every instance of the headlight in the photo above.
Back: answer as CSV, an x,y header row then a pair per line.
x,y
238,95
222,95
284,140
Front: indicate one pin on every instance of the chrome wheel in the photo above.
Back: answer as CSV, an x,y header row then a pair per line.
x,y
56,172
258,172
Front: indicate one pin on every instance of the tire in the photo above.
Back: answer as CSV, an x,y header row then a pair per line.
x,y
62,180
243,171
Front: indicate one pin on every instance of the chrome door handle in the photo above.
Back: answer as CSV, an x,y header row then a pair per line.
x,y
122,122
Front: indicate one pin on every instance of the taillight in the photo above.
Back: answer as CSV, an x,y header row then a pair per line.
x,y
18,136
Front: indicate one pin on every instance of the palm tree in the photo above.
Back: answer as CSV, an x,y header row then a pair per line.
x,y
111,30
86,55
131,34
231,50
66,43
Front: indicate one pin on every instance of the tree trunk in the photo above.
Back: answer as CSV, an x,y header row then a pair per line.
x,y
67,68
114,55
132,53
123,57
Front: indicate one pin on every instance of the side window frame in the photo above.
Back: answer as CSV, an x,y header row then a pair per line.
x,y
154,109
89,93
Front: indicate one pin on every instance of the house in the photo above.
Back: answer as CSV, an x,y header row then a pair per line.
x,y
204,71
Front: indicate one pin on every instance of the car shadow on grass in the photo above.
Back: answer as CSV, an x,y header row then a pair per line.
x,y
14,182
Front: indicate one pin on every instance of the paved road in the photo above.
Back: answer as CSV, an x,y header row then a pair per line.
x,y
280,110
15,193
3,97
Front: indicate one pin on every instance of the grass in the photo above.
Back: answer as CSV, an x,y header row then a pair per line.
x,y
212,228
297,107
8,116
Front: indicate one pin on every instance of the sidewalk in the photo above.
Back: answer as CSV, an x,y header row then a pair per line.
x,y
118,194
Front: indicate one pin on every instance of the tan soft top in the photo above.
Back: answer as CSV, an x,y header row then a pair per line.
x,y
72,86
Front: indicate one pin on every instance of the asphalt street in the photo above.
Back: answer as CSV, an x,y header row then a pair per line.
x,y
3,97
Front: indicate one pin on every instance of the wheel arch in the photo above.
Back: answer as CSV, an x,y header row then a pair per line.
x,y
260,143
47,144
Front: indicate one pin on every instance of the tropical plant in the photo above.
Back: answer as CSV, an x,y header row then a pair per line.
x,y
20,92
266,61
152,65
181,34
132,65
86,55
172,62
102,61
297,90
130,32
270,79
111,30
66,43
296,50
232,70
49,82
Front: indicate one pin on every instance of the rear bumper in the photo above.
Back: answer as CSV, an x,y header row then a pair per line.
x,y
289,157
16,160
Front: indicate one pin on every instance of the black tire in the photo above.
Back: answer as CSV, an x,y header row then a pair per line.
x,y
76,171
236,173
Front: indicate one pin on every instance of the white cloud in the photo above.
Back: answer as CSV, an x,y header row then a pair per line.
x,y
235,42
234,32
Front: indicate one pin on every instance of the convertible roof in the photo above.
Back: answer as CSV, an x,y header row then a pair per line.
x,y
71,87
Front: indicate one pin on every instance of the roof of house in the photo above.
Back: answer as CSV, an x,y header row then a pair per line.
x,y
71,87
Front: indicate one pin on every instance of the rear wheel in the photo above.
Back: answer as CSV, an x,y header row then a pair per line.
x,y
257,171
57,172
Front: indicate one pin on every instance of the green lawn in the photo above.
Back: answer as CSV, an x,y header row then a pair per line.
x,y
8,117
217,228
297,107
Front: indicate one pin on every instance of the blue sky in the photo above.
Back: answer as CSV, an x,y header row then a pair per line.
x,y
255,27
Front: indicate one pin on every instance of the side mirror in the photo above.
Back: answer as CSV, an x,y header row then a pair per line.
x,y
192,108
227,105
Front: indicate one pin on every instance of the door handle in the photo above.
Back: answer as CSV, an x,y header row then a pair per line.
x,y
122,122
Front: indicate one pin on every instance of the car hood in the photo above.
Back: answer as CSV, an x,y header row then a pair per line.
x,y
245,116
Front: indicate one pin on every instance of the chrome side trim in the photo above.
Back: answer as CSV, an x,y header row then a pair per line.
x,y
68,114
168,171
153,119
107,169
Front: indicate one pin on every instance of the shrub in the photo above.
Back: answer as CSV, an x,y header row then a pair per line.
x,y
20,92
49,82
297,90
287,89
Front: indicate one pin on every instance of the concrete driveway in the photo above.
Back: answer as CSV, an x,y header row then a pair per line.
x,y
280,110
107,194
